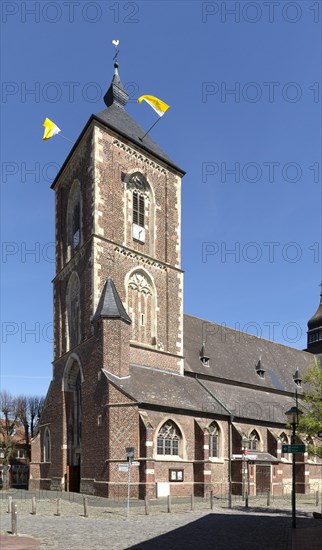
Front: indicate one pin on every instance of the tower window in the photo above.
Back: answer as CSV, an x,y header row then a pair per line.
x,y
76,226
138,209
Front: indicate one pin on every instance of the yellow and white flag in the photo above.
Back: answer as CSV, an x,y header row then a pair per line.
x,y
159,106
50,129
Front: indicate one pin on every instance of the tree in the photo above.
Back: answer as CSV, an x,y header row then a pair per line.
x,y
8,423
35,407
15,412
311,420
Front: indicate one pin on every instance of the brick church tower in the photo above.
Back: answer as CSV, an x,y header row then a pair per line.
x,y
118,298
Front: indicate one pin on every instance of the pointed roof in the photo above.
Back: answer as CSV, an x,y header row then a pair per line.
x,y
316,319
116,94
116,118
110,304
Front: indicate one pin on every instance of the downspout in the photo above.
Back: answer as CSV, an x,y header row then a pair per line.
x,y
230,423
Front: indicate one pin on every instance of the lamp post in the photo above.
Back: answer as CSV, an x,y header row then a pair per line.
x,y
292,416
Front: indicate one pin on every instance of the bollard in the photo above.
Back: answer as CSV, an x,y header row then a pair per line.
x,y
192,502
169,504
85,500
146,503
58,507
33,506
211,500
14,526
268,498
316,498
246,500
9,505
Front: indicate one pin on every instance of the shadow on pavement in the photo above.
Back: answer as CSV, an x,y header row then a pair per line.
x,y
218,531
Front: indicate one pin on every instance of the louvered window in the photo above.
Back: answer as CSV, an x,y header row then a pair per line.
x,y
138,209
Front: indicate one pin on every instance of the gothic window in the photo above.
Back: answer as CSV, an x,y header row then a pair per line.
x,y
142,307
214,440
74,226
284,441
168,440
46,446
73,311
254,441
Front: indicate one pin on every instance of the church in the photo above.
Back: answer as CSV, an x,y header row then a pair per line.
x,y
188,397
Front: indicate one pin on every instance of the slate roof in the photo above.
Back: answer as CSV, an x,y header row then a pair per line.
x,y
110,305
249,403
156,387
148,386
116,118
234,356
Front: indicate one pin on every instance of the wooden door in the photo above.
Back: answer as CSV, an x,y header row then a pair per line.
x,y
263,479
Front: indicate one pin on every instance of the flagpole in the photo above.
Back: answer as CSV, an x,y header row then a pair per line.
x,y
61,135
150,128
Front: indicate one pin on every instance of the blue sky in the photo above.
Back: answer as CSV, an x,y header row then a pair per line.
x,y
243,80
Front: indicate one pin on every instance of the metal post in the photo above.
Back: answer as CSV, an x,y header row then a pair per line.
x,y
128,488
9,505
33,506
14,527
293,481
211,499
169,505
146,502
85,502
192,501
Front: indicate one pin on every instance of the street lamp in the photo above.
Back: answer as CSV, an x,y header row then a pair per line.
x,y
292,416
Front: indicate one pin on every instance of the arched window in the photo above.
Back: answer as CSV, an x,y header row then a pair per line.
x,y
73,336
74,219
46,446
168,440
140,210
284,441
254,441
214,440
141,306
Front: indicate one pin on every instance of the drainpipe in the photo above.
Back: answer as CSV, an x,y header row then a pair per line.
x,y
230,423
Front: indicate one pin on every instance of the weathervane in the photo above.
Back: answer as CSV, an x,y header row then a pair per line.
x,y
117,51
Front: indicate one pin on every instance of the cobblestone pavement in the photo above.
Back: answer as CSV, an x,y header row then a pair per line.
x,y
107,527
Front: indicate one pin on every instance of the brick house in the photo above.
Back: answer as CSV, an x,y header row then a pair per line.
x,y
130,369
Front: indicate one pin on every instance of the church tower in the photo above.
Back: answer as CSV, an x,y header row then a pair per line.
x,y
118,293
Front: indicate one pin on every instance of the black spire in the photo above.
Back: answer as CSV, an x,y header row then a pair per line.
x,y
314,333
116,94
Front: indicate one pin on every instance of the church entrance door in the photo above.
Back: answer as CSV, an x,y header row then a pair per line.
x,y
73,479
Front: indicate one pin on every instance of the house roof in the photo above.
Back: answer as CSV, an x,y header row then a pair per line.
x,y
233,356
